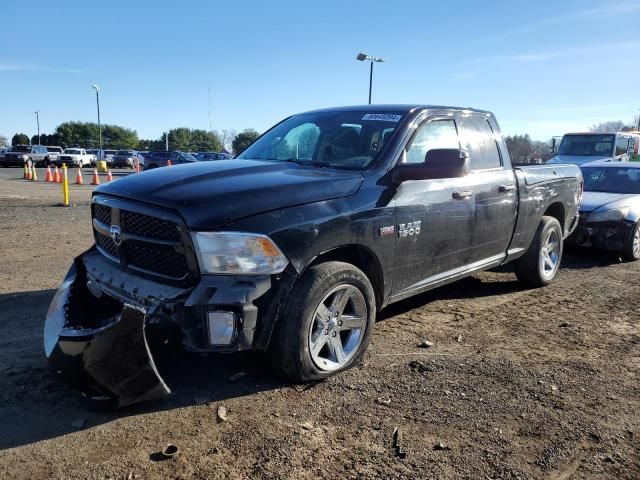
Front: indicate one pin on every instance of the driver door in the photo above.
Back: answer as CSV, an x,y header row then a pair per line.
x,y
434,217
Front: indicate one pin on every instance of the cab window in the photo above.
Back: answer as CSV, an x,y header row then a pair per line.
x,y
432,135
622,146
481,143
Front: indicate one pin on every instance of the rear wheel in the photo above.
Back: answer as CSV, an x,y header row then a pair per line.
x,y
539,266
631,248
326,323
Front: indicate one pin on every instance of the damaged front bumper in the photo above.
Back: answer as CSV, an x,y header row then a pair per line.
x,y
604,235
95,333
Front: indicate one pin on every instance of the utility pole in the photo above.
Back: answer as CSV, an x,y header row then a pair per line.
x,y
166,141
100,154
364,57
209,92
38,122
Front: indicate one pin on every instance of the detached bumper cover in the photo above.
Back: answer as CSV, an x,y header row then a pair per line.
x,y
94,334
105,356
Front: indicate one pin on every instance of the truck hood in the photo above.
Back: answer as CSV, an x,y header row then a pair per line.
x,y
577,159
596,200
211,194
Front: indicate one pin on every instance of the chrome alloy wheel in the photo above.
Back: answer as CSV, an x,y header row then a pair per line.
x,y
337,327
636,243
550,255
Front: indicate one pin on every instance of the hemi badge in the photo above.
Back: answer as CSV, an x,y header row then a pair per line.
x,y
383,231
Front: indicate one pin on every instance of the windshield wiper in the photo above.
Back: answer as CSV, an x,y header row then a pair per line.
x,y
310,163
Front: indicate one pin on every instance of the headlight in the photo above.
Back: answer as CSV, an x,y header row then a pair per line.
x,y
238,253
612,215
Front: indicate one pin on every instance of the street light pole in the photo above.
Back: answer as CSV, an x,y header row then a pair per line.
x,y
363,57
38,122
99,126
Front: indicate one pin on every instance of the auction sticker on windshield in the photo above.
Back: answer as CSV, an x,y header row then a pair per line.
x,y
385,117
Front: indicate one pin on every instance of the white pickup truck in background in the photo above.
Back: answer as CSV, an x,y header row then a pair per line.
x,y
74,157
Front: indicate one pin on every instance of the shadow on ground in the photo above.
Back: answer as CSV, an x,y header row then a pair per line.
x,y
37,405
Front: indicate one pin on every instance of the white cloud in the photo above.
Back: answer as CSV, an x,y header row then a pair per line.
x,y
30,67
559,53
595,13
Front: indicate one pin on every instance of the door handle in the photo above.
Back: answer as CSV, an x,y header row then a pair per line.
x,y
506,188
462,195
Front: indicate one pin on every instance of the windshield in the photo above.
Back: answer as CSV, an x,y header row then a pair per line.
x,y
21,148
587,145
73,151
611,179
125,153
109,152
334,139
188,157
54,149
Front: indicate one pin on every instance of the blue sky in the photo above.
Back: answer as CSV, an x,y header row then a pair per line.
x,y
542,67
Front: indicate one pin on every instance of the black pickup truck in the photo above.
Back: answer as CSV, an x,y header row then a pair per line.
x,y
294,246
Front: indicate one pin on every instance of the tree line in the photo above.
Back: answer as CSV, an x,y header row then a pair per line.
x,y
115,137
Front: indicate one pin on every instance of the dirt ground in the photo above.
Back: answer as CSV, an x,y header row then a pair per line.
x,y
519,383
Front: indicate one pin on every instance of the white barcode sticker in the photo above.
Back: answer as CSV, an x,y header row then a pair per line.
x,y
384,117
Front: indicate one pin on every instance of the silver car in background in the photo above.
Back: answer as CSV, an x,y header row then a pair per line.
x,y
610,209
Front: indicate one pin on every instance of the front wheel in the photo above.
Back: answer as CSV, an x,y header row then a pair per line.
x,y
325,324
631,248
539,266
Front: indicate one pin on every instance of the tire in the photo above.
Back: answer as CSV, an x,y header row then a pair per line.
x,y
631,248
300,326
534,269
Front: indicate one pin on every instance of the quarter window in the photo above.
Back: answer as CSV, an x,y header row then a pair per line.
x,y
481,143
432,135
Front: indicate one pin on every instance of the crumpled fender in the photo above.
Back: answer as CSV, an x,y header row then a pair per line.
x,y
101,349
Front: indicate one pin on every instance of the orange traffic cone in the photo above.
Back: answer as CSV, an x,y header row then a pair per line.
x,y
169,163
109,176
24,175
48,176
137,166
96,179
79,177
34,175
28,172
56,175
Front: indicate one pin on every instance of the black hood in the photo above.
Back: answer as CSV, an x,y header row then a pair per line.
x,y
211,194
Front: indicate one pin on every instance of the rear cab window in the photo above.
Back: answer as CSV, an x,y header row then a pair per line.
x,y
480,141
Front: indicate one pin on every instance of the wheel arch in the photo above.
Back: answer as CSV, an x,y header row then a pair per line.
x,y
556,210
361,257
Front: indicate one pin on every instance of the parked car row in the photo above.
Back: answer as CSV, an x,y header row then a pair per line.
x,y
39,155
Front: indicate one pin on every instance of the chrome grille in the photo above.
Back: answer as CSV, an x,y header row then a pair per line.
x,y
149,244
102,213
106,244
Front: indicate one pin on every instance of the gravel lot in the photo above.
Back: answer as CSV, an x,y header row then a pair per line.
x,y
519,383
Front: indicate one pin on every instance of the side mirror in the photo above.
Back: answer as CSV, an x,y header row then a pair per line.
x,y
438,163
